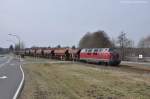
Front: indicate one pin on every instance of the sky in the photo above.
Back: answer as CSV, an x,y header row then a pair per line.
x,y
52,22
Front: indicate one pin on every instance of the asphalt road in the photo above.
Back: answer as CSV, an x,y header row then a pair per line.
x,y
10,77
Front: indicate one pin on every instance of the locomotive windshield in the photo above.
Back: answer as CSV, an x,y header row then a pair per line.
x,y
111,49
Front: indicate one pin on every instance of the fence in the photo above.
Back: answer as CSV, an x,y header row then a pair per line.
x,y
132,54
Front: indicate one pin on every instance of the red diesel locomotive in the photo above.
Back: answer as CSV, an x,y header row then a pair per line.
x,y
107,56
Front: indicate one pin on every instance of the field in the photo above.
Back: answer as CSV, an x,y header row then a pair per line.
x,y
50,79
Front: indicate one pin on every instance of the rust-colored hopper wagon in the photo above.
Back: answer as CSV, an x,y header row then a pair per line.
x,y
74,54
27,52
48,53
32,52
39,52
61,53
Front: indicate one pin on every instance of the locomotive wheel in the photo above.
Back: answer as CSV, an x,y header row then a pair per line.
x,y
99,63
106,63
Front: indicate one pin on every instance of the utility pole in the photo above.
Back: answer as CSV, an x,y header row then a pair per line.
x,y
18,41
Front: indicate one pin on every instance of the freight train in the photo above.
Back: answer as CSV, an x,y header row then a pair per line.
x,y
107,56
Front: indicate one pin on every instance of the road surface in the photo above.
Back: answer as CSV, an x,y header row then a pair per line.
x,y
135,63
11,77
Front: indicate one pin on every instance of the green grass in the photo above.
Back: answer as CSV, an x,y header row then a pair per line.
x,y
76,81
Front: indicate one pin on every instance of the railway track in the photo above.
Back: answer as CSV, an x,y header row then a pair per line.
x,y
124,67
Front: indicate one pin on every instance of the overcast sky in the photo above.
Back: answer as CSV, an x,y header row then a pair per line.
x,y
53,22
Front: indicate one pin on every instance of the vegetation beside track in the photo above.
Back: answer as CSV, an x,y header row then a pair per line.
x,y
77,81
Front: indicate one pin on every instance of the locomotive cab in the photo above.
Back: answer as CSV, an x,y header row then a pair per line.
x,y
114,57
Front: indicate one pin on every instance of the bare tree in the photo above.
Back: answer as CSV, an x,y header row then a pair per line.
x,y
113,42
129,43
11,48
144,42
97,39
22,45
58,46
84,42
73,47
124,43
19,46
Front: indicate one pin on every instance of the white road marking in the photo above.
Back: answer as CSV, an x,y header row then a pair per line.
x,y
1,65
20,85
3,77
22,80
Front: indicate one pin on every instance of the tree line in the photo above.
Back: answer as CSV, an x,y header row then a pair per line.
x,y
100,39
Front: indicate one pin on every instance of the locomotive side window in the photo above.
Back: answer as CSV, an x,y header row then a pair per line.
x,y
111,49
95,51
100,49
89,51
84,50
103,49
106,49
